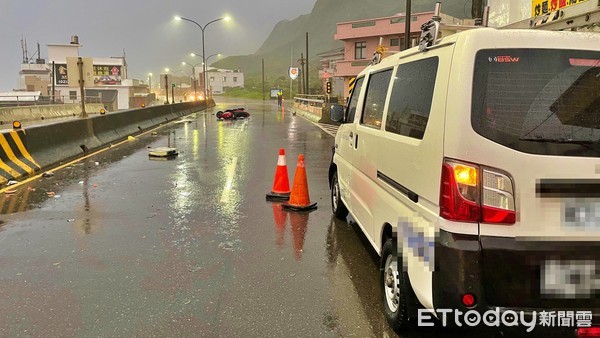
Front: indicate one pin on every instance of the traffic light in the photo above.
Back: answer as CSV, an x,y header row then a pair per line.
x,y
328,87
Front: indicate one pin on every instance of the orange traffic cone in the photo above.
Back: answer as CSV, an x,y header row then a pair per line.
x,y
299,199
281,183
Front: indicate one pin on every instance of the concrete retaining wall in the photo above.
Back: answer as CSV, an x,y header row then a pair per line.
x,y
33,149
34,113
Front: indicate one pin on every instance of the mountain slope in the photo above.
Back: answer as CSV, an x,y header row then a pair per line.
x,y
321,26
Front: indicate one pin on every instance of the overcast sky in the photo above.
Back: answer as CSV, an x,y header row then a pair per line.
x,y
144,28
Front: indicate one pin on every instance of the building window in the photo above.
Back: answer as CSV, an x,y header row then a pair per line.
x,y
401,20
73,94
212,79
360,50
224,78
394,42
235,79
363,24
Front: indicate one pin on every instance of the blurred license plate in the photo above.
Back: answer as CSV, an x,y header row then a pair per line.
x,y
569,279
581,214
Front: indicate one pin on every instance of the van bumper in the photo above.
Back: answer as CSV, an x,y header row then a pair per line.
x,y
505,273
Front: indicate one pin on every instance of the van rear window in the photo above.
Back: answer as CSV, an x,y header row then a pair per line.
x,y
539,101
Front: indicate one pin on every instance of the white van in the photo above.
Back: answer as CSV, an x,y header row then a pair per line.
x,y
476,163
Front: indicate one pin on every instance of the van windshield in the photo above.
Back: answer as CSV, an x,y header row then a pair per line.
x,y
539,101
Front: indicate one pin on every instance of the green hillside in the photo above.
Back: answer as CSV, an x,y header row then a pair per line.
x,y
321,25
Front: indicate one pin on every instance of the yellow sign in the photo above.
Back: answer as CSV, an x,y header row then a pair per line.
x,y
541,7
73,71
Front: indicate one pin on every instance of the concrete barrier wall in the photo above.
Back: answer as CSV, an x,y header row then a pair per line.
x,y
312,113
33,149
34,113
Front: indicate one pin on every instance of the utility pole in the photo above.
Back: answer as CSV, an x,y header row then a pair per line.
x,y
477,11
291,65
302,75
167,88
53,82
173,92
263,79
306,77
407,20
81,89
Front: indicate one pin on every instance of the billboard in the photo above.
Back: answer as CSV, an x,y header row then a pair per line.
x,y
61,74
107,75
541,7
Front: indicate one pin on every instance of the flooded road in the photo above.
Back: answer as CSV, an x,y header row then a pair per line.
x,y
121,245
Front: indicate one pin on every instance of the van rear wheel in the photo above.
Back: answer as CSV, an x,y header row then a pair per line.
x,y
337,206
393,282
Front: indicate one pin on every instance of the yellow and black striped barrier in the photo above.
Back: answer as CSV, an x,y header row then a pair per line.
x,y
351,83
15,159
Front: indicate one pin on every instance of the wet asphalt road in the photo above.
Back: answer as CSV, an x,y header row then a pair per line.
x,y
128,246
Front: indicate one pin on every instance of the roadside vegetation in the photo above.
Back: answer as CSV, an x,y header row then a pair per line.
x,y
253,87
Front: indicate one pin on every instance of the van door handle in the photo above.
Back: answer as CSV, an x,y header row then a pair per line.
x,y
356,141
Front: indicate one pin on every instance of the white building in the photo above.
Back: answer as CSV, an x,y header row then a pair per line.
x,y
219,79
106,78
34,77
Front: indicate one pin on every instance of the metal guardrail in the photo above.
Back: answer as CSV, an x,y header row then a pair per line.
x,y
310,100
313,100
40,100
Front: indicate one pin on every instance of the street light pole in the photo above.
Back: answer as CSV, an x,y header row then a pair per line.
x,y
167,88
205,80
193,76
203,28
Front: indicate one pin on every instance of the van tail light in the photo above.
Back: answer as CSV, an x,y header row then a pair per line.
x,y
458,192
498,199
469,193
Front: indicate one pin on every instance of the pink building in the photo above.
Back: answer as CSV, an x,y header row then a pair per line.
x,y
361,37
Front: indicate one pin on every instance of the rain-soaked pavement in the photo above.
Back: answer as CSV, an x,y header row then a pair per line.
x,y
121,245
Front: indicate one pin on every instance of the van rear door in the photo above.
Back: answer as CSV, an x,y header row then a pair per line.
x,y
537,116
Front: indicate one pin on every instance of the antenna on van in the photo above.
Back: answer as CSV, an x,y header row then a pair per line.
x,y
430,29
379,52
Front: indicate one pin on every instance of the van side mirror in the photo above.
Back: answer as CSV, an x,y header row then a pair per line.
x,y
336,113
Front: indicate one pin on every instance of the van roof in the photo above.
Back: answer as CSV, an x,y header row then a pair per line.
x,y
486,38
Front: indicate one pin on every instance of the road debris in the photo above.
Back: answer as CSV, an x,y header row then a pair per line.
x,y
11,182
162,152
10,192
71,220
50,193
48,174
